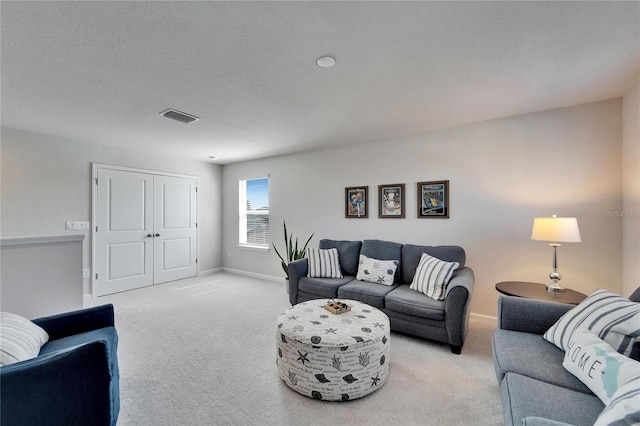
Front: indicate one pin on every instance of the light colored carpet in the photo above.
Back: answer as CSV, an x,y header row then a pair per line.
x,y
202,352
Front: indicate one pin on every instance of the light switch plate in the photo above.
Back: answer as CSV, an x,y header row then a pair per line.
x,y
76,225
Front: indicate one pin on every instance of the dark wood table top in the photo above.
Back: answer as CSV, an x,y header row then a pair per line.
x,y
539,291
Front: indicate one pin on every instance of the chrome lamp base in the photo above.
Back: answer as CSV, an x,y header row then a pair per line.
x,y
555,287
555,275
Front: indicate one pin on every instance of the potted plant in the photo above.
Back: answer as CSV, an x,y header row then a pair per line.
x,y
292,252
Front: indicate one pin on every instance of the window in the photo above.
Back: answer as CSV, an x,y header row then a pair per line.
x,y
254,212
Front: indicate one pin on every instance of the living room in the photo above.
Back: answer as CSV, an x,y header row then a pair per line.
x,y
552,130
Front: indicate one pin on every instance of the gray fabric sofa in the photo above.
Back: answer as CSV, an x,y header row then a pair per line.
x,y
409,311
535,388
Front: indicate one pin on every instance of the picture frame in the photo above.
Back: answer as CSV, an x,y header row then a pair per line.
x,y
391,201
433,199
356,202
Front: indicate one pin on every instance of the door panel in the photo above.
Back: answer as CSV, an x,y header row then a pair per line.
x,y
176,253
175,222
125,254
126,260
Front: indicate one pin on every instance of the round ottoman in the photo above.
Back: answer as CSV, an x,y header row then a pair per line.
x,y
335,357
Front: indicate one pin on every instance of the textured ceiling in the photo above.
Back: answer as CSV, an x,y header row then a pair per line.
x,y
102,71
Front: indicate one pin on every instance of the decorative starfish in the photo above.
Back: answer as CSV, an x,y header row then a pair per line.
x,y
330,330
303,358
292,317
375,380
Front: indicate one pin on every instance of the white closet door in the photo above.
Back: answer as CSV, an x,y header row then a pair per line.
x,y
125,227
146,229
175,228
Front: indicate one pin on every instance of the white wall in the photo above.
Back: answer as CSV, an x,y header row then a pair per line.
x,y
631,190
46,181
503,173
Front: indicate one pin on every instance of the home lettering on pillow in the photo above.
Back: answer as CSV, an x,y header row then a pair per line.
x,y
596,364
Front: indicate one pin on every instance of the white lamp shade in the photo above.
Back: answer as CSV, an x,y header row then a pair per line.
x,y
556,229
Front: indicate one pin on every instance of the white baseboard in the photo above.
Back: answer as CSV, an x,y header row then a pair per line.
x,y
254,275
484,318
210,271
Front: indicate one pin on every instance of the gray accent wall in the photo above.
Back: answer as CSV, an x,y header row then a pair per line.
x,y
502,173
46,181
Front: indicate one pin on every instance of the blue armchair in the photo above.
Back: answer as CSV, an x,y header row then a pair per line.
x,y
73,381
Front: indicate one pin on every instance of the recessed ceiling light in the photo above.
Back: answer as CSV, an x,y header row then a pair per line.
x,y
326,61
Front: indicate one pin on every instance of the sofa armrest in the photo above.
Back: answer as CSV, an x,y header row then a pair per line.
x,y
65,387
529,315
297,269
76,322
456,308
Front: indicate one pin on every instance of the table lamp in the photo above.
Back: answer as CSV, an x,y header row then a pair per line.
x,y
556,230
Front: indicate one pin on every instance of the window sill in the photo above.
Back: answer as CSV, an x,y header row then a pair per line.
x,y
251,247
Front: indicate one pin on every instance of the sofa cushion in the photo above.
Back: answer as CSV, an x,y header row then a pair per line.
x,y
366,292
376,270
20,339
348,252
323,287
524,397
411,302
623,409
411,255
383,250
323,263
530,355
611,317
598,365
432,276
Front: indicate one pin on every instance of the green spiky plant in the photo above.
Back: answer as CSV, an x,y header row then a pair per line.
x,y
292,251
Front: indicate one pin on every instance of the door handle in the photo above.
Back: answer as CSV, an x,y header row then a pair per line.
x,y
157,235
149,235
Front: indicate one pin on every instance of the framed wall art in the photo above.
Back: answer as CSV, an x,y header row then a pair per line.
x,y
433,199
356,202
391,201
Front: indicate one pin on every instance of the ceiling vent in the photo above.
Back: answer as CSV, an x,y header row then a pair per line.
x,y
180,116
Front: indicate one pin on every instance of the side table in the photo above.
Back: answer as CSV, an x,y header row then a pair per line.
x,y
539,291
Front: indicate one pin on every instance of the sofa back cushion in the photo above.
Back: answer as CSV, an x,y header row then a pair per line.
x,y
348,254
383,250
411,257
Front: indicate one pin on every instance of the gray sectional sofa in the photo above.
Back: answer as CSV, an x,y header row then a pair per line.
x,y
535,388
409,311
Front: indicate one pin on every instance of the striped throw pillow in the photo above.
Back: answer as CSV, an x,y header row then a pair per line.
x,y
20,339
432,276
613,318
323,263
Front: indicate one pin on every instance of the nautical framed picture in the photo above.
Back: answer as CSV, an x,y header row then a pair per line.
x,y
356,199
391,201
433,199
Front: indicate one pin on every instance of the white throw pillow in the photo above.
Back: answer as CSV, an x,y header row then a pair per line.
x,y
432,276
612,318
323,263
20,339
376,271
597,364
624,407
